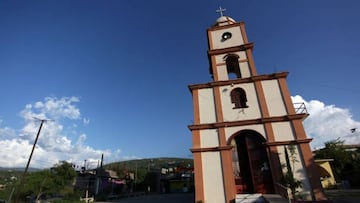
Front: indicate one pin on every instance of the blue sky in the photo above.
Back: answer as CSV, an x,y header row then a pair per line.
x,y
113,75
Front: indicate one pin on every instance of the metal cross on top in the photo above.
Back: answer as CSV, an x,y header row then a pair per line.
x,y
221,10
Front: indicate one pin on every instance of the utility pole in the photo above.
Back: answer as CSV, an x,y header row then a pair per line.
x,y
28,163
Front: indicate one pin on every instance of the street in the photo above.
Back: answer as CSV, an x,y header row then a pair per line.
x,y
158,198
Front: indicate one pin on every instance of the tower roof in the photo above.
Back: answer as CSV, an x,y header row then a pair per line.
x,y
223,20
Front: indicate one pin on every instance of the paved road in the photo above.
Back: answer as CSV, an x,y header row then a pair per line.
x,y
158,198
336,196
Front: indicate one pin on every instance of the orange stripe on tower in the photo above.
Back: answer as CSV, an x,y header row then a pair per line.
x,y
199,180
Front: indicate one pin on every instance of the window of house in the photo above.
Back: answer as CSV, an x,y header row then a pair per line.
x,y
238,98
232,66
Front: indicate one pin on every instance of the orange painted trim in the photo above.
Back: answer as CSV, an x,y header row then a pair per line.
x,y
288,142
299,129
242,47
209,36
239,80
274,160
215,69
251,62
275,166
261,99
305,150
199,191
240,61
224,26
196,106
286,96
227,169
247,122
218,106
312,173
248,51
270,137
243,32
198,178
211,149
226,163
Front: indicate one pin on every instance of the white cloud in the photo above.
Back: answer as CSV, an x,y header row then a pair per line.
x,y
86,121
55,142
328,122
60,139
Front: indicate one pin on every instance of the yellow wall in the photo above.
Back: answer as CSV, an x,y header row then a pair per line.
x,y
326,181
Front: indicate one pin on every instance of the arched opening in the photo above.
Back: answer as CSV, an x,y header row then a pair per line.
x,y
232,66
238,98
251,164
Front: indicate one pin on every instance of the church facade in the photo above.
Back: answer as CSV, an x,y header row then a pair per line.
x,y
244,125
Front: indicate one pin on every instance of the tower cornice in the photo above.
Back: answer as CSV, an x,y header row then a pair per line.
x,y
242,47
239,80
216,27
217,125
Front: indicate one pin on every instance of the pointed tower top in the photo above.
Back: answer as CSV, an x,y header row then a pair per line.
x,y
223,20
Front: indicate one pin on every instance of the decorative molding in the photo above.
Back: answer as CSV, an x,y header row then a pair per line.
x,y
247,122
213,28
288,142
211,149
239,81
242,47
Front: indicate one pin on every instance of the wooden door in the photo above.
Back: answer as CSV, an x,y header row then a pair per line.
x,y
253,173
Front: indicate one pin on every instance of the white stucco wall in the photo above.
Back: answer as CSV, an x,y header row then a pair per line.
x,y
206,106
222,72
235,40
229,131
245,70
298,170
230,114
209,138
212,176
274,100
283,131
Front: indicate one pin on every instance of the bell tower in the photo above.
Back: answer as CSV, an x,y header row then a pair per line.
x,y
243,124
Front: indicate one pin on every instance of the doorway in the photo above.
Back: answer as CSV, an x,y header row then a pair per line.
x,y
251,164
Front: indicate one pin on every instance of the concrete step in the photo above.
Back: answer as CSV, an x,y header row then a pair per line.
x,y
249,198
275,198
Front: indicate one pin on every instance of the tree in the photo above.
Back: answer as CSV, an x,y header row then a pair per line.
x,y
288,177
334,150
54,181
346,164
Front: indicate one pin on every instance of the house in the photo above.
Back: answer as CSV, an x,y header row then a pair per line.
x,y
326,173
99,182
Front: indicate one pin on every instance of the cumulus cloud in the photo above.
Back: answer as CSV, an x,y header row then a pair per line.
x,y
60,138
328,122
56,142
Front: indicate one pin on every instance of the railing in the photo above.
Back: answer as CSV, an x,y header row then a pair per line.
x,y
300,108
283,191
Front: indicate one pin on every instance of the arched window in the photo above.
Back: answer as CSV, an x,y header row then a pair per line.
x,y
238,98
232,65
